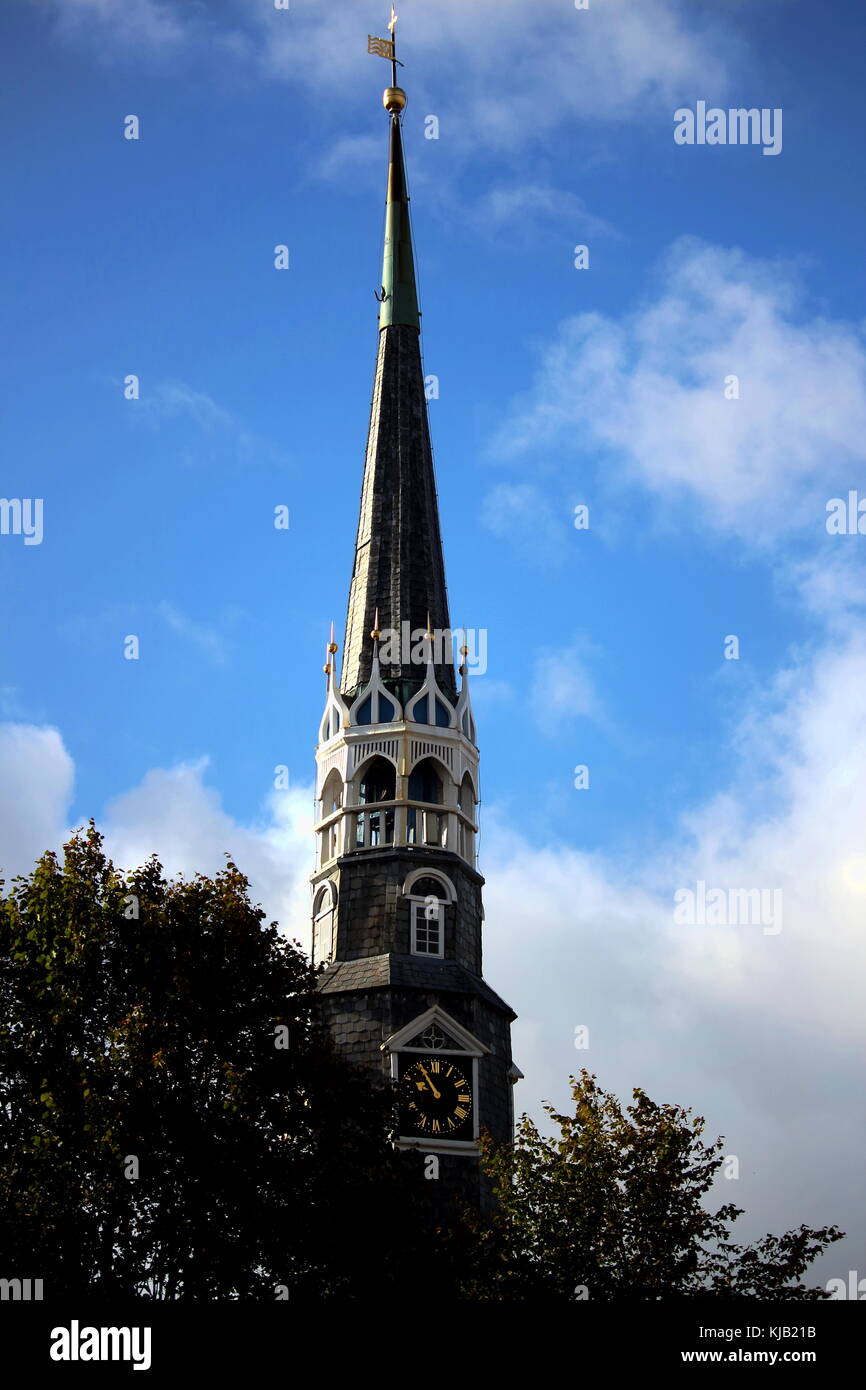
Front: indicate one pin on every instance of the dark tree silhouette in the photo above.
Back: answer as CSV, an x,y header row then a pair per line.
x,y
173,1120
613,1208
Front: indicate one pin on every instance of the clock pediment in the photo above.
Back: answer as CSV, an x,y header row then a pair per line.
x,y
435,1031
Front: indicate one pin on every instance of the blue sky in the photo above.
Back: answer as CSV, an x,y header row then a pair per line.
x,y
557,387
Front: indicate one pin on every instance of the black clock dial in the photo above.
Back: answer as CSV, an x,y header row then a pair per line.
x,y
437,1098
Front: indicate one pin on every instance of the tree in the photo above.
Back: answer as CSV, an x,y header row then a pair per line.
x,y
612,1208
173,1119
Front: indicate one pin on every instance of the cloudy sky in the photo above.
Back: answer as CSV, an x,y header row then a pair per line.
x,y
608,386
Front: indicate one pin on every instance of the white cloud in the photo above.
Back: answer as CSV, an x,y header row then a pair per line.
x,y
650,389
524,513
169,399
762,1034
488,690
36,774
135,26
217,437
525,208
172,813
351,153
562,689
831,584
520,72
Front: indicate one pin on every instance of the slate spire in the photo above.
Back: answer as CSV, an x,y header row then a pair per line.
x,y
399,567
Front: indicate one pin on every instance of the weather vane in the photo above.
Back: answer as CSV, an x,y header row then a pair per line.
x,y
387,48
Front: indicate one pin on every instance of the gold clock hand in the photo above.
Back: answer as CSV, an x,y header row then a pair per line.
x,y
436,1093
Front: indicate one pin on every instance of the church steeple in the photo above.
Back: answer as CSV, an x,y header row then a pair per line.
x,y
397,914
399,568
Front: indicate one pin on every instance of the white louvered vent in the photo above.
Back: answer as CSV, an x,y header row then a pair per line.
x,y
422,749
386,746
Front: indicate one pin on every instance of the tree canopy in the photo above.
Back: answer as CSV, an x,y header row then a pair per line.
x,y
612,1207
175,1123
173,1119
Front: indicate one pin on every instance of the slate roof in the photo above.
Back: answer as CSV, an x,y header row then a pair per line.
x,y
412,972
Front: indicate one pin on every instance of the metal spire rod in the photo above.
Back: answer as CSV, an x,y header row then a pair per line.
x,y
392,26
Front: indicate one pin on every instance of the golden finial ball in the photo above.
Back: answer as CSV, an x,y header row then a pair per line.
x,y
332,647
394,99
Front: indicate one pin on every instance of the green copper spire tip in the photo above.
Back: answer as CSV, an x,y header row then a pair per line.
x,y
399,303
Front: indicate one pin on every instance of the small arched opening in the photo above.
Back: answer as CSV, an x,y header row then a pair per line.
x,y
423,824
376,783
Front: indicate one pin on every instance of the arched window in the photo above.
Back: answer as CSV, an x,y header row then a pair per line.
x,y
324,914
332,800
332,793
420,711
377,783
466,802
427,899
443,714
330,724
425,784
375,709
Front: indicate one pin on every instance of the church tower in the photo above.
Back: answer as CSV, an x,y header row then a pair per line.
x,y
397,913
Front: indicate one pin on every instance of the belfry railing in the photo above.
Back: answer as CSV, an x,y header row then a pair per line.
x,y
397,822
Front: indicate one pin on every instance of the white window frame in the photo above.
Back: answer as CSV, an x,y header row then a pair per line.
x,y
419,905
446,897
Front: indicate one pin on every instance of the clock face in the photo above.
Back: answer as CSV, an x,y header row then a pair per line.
x,y
436,1096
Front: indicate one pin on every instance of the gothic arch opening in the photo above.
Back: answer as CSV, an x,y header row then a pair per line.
x,y
332,801
324,921
466,835
425,782
375,783
425,826
332,793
